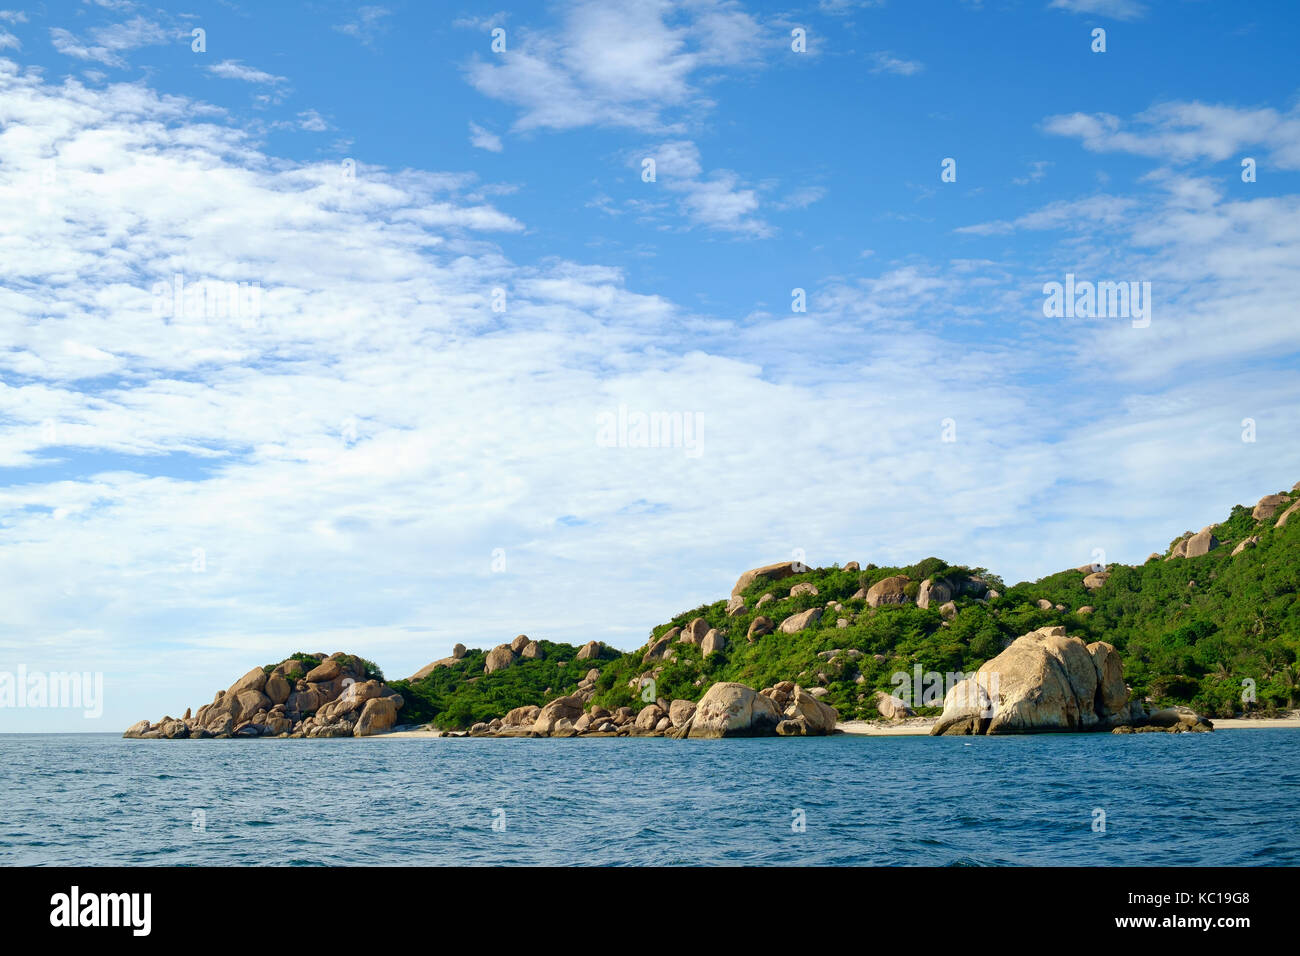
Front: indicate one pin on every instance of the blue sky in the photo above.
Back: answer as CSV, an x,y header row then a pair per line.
x,y
375,459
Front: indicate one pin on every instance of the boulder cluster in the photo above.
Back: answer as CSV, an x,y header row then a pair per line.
x,y
726,710
316,697
1046,681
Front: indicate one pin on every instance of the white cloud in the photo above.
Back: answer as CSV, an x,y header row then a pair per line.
x,y
484,139
1182,132
312,122
368,25
234,70
106,44
1118,9
618,63
886,62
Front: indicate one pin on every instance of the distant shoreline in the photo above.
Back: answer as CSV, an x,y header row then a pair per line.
x,y
920,727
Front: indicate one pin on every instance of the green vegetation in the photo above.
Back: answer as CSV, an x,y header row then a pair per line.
x,y
1189,631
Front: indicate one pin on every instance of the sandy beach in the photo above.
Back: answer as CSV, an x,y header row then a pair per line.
x,y
920,727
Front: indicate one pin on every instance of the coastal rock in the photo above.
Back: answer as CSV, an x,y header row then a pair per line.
x,y
815,718
1044,681
797,622
1179,718
680,711
649,718
277,688
733,710
887,591
562,708
253,680
378,715
524,716
770,572
892,708
325,671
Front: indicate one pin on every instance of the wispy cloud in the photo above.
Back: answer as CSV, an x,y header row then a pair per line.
x,y
484,139
106,44
886,62
1118,9
369,23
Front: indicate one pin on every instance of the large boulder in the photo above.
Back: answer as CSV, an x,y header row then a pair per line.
x,y
770,572
1179,719
589,651
694,632
1096,580
1268,506
428,669
679,712
892,708
733,710
524,716
1203,542
562,708
813,718
378,715
277,688
324,671
499,657
712,642
1112,698
519,643
1286,515
1044,681
797,622
758,627
253,680
1244,544
887,591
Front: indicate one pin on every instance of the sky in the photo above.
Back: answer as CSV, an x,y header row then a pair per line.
x,y
439,294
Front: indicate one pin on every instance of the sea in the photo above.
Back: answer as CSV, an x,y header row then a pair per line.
x,y
1223,798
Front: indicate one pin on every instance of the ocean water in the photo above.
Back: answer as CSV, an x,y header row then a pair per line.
x,y
1230,797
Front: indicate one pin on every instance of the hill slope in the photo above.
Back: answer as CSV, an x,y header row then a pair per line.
x,y
1190,631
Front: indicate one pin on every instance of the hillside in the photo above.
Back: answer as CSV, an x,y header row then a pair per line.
x,y
1191,623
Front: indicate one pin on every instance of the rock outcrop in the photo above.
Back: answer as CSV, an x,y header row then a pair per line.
x,y
321,697
1045,681
770,572
889,590
733,710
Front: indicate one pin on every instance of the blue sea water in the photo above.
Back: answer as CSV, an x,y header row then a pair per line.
x,y
1230,797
